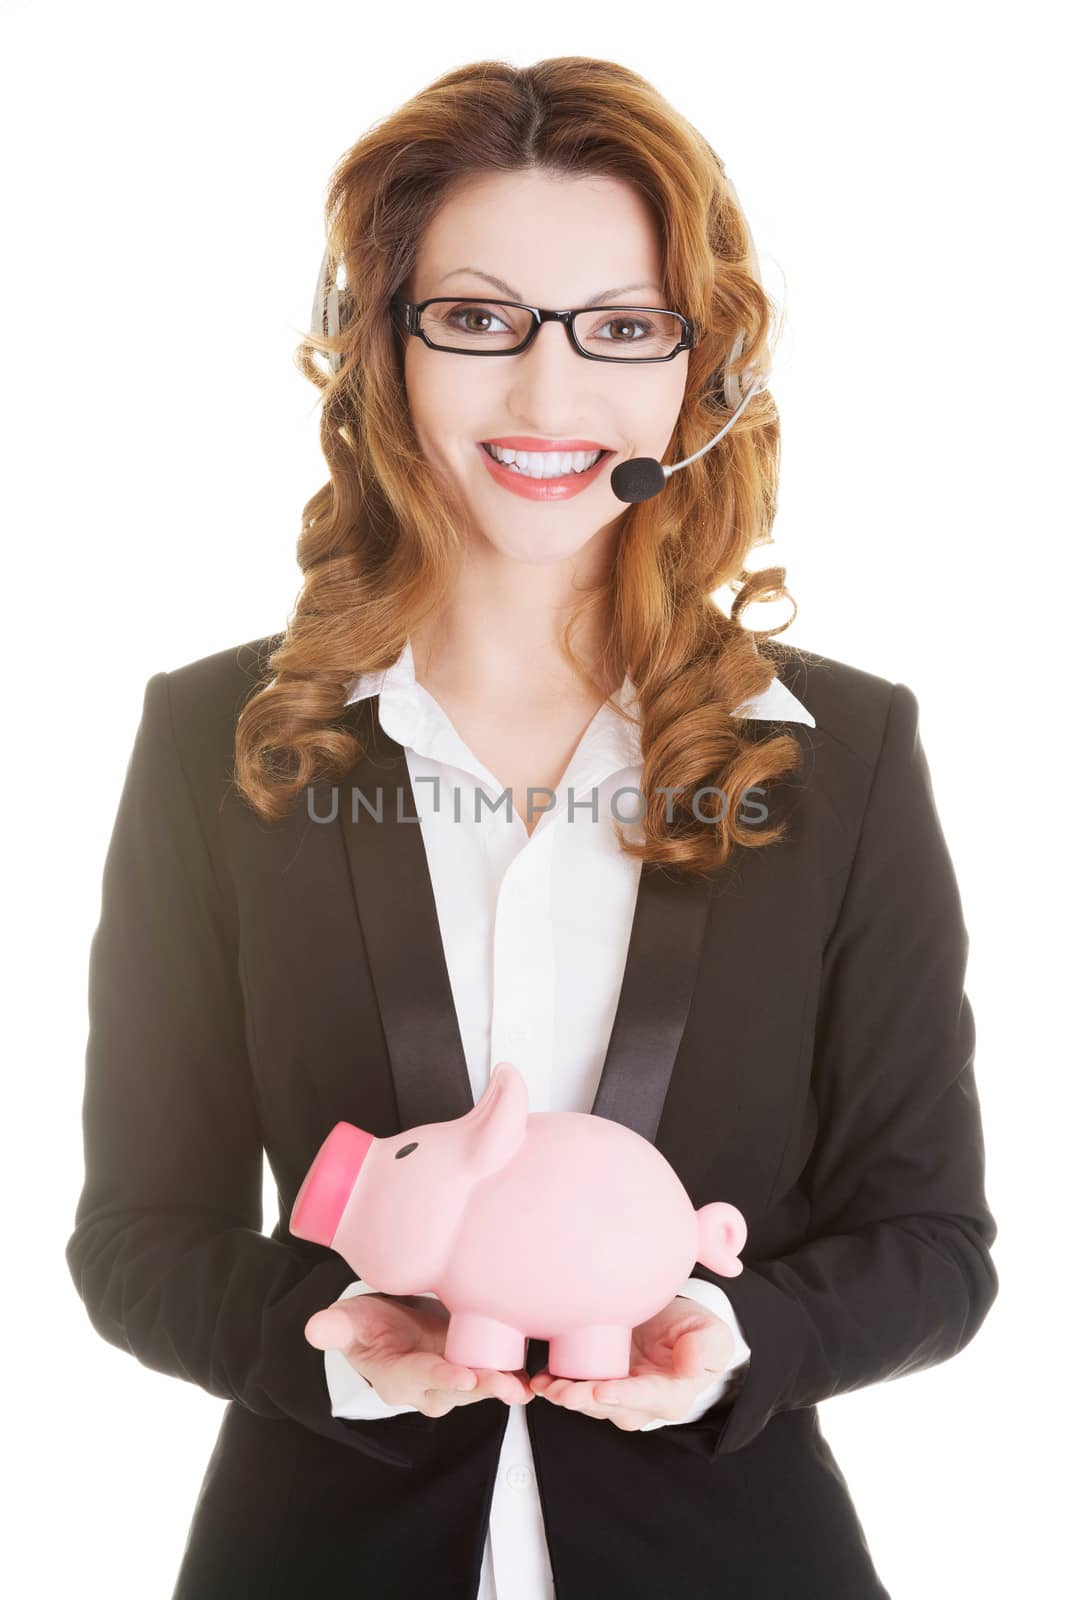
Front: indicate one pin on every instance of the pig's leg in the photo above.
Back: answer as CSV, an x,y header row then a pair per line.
x,y
476,1341
592,1352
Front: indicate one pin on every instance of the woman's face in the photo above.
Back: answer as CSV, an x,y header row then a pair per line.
x,y
558,243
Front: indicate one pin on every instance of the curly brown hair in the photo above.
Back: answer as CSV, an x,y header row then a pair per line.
x,y
378,541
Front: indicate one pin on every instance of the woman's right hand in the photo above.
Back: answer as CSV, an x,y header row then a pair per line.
x,y
397,1343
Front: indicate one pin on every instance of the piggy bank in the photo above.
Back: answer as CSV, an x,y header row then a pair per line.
x,y
559,1225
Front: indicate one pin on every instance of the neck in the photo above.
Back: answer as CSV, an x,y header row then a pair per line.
x,y
503,627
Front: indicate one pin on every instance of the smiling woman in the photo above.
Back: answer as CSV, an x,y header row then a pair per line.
x,y
532,295
538,272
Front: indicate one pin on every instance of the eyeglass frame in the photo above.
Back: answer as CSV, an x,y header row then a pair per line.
x,y
413,312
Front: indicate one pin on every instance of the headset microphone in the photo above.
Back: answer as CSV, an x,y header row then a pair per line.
x,y
642,477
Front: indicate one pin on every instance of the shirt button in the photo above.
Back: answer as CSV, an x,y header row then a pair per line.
x,y
518,1477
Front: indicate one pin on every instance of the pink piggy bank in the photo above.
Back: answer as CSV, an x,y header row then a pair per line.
x,y
557,1225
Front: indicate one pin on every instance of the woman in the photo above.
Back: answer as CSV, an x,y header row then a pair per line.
x,y
761,970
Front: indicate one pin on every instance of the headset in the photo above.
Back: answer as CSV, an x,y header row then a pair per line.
x,y
632,481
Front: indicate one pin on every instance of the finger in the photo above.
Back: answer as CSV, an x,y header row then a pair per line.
x,y
635,1394
435,1372
691,1353
447,1375
427,1376
561,1390
575,1395
506,1386
542,1381
714,1346
330,1329
652,1394
480,1384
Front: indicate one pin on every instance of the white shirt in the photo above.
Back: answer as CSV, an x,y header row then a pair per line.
x,y
535,930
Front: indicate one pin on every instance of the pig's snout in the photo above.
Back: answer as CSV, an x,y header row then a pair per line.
x,y
324,1194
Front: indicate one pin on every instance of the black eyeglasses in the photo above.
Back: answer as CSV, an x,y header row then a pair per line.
x,y
460,327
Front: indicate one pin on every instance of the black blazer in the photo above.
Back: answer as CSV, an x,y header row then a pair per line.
x,y
793,1036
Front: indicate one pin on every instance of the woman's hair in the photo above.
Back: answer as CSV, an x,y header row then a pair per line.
x,y
379,542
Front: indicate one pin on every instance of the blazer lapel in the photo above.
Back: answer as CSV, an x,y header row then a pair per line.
x,y
395,900
666,938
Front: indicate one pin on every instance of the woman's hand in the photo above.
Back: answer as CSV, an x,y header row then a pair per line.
x,y
673,1357
397,1343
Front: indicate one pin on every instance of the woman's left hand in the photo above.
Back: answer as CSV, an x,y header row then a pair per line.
x,y
673,1357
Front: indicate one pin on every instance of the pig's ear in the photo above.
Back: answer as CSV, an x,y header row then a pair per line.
x,y
496,1127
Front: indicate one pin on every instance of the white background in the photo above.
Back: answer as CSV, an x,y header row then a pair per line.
x,y
164,175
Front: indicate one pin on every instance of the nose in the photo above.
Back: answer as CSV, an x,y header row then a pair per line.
x,y
551,352
328,1183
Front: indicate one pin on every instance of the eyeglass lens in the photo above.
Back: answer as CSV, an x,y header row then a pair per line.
x,y
613,331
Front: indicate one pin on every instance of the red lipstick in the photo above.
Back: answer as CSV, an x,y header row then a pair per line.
x,y
527,441
565,487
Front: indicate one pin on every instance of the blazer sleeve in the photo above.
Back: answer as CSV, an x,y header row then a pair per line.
x,y
895,1273
167,1251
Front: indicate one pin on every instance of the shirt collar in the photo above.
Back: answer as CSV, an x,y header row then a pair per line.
x,y
411,716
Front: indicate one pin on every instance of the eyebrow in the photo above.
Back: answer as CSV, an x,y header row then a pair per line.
x,y
513,294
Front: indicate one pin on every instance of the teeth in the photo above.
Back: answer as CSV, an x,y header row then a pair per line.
x,y
544,463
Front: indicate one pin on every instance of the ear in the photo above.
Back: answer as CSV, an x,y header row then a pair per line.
x,y
496,1127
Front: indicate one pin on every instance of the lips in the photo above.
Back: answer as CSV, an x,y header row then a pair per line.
x,y
526,441
561,488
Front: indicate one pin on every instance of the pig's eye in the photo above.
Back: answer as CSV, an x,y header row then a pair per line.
x,y
407,1150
